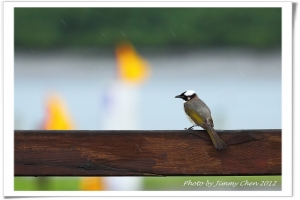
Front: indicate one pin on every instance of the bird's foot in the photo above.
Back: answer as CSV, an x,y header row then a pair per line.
x,y
191,128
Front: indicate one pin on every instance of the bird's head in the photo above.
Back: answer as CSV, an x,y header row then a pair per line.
x,y
187,95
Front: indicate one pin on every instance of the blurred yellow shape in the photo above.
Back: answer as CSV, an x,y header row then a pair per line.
x,y
131,66
92,183
57,116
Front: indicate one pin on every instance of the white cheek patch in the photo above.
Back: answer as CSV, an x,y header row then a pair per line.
x,y
188,98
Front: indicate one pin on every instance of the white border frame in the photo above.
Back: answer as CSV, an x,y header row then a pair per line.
x,y
286,98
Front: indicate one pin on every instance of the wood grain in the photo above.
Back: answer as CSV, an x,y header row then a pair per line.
x,y
146,153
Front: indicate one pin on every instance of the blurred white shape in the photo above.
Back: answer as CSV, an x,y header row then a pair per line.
x,y
122,102
124,183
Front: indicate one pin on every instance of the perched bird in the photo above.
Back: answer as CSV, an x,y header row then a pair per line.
x,y
199,114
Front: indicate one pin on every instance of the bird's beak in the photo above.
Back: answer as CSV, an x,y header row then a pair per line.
x,y
178,96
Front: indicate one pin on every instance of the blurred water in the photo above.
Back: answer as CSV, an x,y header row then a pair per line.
x,y
241,87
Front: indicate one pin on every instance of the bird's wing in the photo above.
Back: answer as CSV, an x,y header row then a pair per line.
x,y
197,118
210,122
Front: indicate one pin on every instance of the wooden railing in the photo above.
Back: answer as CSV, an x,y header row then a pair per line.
x,y
146,153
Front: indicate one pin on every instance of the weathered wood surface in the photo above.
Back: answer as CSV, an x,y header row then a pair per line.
x,y
146,153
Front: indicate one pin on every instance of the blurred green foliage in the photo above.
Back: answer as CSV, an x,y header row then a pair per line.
x,y
177,183
51,184
187,27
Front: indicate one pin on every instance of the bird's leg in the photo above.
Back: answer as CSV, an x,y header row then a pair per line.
x,y
191,128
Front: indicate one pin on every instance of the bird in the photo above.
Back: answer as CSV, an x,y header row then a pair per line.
x,y
199,114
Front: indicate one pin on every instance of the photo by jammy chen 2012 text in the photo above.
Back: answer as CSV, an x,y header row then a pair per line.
x,y
244,183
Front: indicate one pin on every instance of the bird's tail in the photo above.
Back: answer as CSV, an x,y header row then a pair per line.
x,y
217,141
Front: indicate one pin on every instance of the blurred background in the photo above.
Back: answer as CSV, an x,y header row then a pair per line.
x,y
120,68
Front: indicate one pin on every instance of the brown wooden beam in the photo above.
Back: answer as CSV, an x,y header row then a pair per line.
x,y
146,153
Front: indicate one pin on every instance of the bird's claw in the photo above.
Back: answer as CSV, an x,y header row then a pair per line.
x,y
191,128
